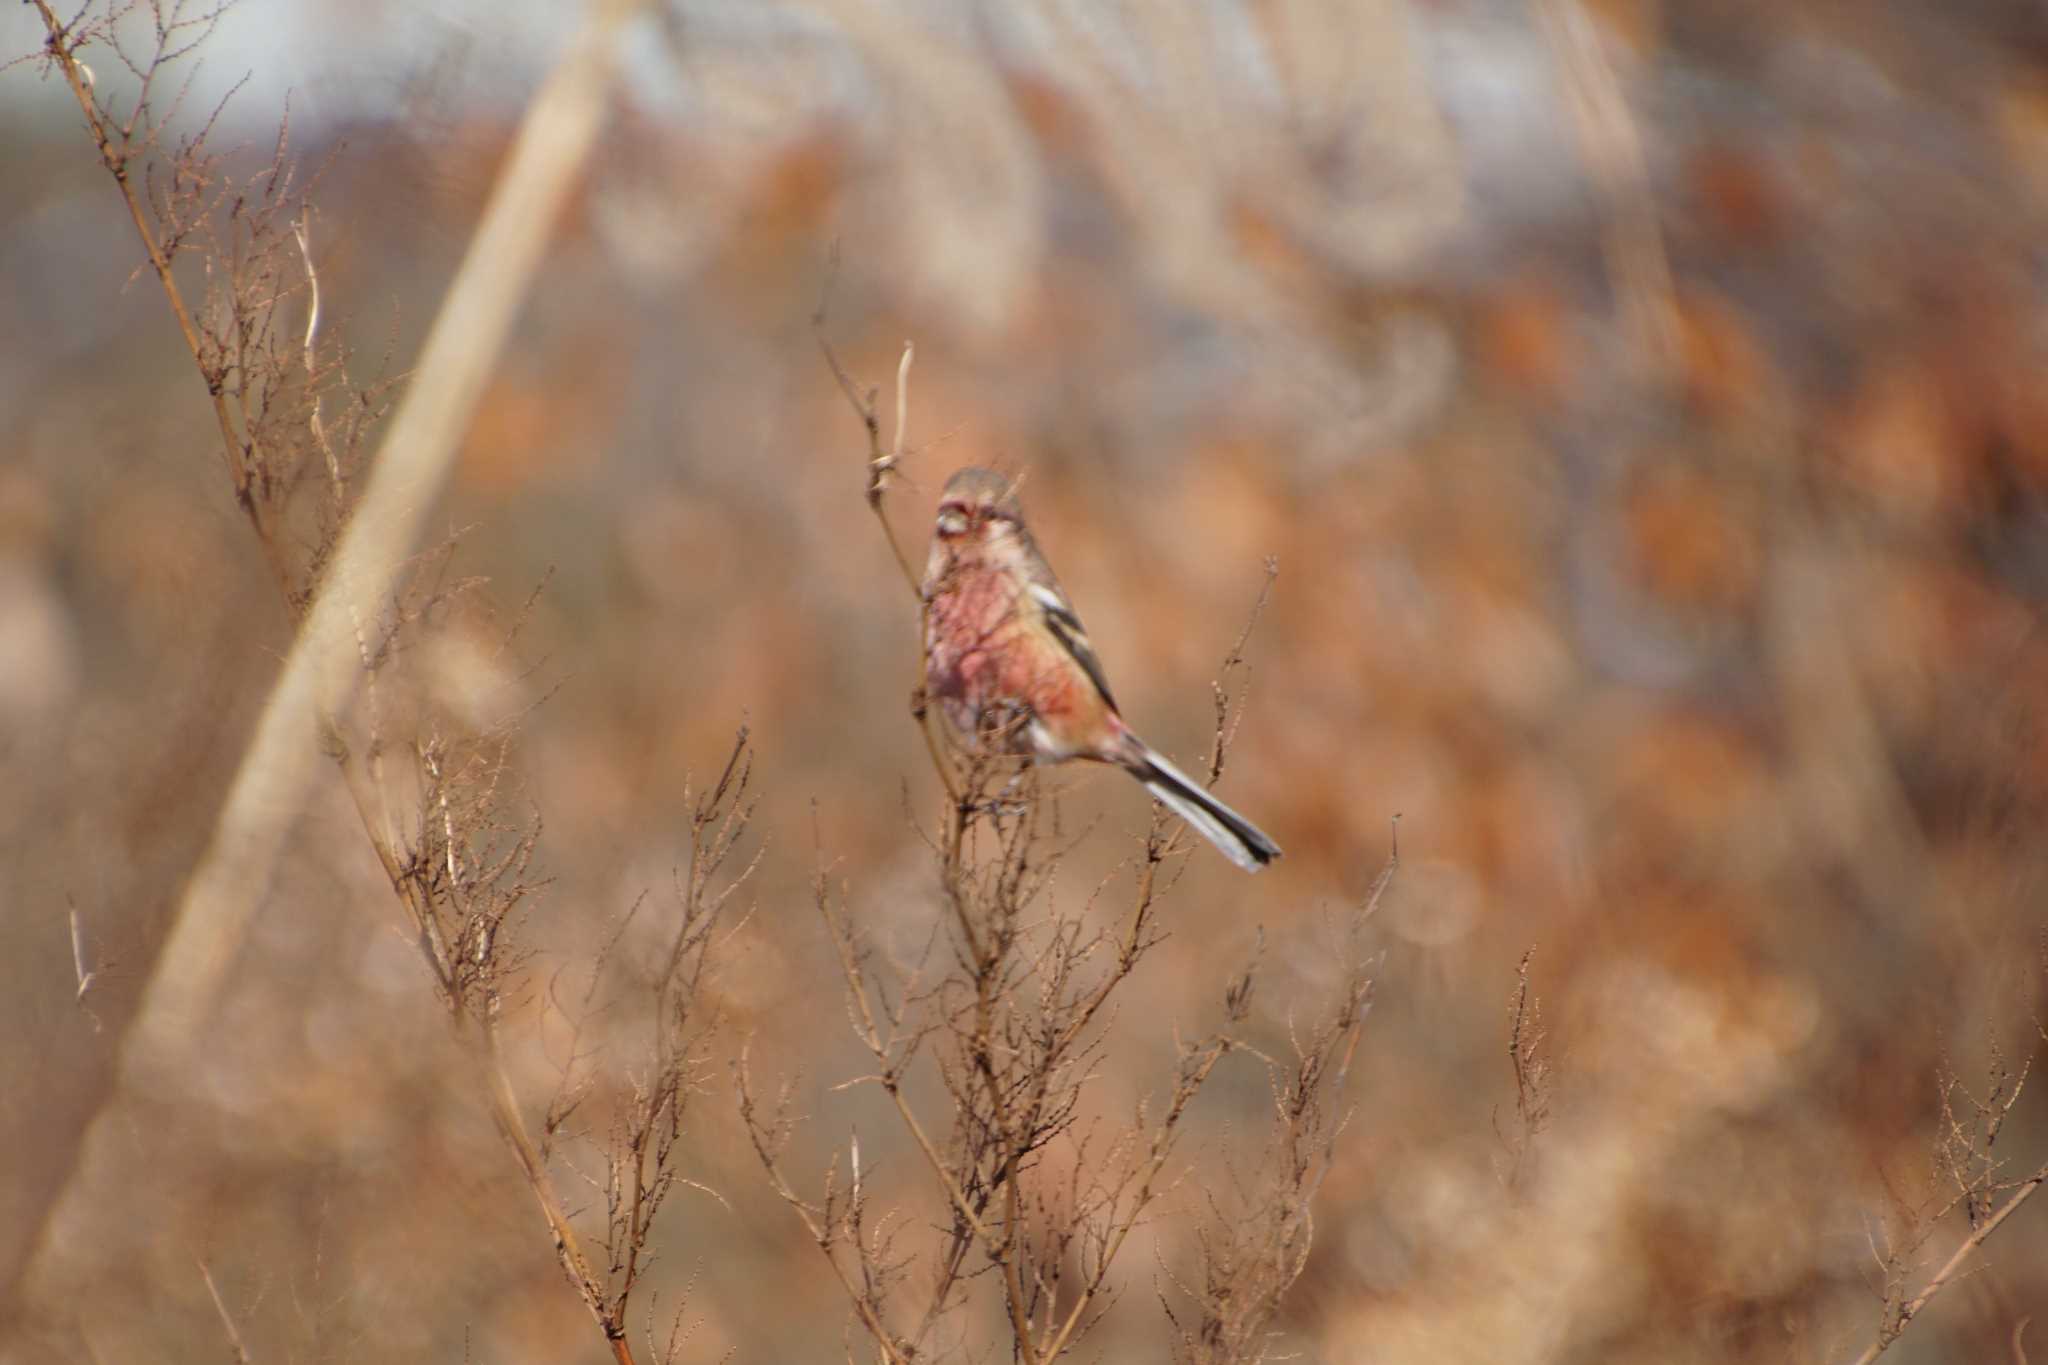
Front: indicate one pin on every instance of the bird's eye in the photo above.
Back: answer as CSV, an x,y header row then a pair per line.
x,y
952,521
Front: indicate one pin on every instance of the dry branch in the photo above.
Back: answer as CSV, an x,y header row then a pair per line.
x,y
460,892
1897,1320
322,671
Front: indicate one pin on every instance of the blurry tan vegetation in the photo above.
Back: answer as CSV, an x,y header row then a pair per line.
x,y
1689,614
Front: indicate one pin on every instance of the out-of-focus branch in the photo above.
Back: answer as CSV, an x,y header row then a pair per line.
x,y
227,1322
87,976
576,1263
1897,1321
1637,266
1966,1152
320,675
1529,1059
319,679
1258,1243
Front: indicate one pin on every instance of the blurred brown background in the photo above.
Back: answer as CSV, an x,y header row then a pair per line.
x,y
1645,403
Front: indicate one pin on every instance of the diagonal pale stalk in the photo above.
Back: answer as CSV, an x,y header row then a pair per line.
x,y
322,672
1910,1309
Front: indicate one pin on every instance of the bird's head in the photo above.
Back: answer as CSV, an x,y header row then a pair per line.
x,y
978,504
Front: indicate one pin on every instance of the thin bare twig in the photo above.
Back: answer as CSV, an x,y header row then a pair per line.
x,y
226,1321
881,466
87,977
1907,1311
322,671
1531,1066
460,351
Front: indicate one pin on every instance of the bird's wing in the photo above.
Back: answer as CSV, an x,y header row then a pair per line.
x,y
1066,627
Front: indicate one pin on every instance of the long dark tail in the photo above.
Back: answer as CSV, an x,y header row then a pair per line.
x,y
1235,837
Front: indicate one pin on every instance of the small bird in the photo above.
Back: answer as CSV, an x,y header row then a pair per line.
x,y
1008,661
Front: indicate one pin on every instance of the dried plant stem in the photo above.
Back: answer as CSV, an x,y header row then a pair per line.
x,y
1637,264
322,671
1910,1309
881,465
87,976
821,1235
1162,1150
459,353
576,1263
227,1321
476,1028
237,442
891,1081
